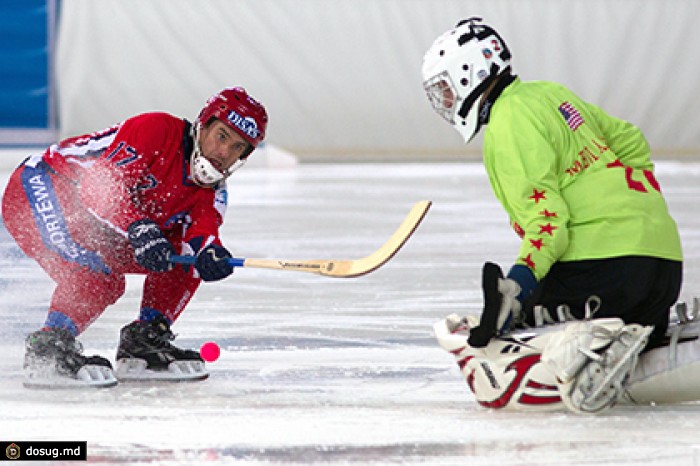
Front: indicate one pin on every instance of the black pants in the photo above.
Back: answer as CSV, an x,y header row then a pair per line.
x,y
639,290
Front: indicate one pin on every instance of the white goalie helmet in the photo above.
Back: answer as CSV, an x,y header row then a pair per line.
x,y
459,67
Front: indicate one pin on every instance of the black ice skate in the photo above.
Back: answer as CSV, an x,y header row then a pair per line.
x,y
54,359
145,353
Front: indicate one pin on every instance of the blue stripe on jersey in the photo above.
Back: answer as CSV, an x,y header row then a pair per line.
x,y
52,224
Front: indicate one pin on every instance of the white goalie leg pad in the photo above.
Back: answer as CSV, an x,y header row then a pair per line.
x,y
133,369
88,376
670,373
592,360
504,374
563,312
451,331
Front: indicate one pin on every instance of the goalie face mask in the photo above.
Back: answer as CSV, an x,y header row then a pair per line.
x,y
457,70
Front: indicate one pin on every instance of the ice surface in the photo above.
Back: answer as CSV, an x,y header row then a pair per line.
x,y
335,371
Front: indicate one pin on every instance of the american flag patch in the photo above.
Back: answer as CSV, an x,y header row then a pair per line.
x,y
572,117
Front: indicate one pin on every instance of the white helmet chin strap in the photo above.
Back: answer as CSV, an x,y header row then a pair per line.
x,y
202,171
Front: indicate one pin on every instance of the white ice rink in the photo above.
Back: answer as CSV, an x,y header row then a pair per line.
x,y
318,370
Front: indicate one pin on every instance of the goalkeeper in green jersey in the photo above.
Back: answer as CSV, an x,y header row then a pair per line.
x,y
577,184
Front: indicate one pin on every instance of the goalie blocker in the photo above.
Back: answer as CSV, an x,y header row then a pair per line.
x,y
586,366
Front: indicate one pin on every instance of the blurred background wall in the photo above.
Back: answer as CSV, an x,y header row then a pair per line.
x,y
27,88
340,78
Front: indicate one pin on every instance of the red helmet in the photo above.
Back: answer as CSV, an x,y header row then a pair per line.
x,y
239,111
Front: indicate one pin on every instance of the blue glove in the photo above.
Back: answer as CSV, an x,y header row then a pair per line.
x,y
212,263
151,249
524,277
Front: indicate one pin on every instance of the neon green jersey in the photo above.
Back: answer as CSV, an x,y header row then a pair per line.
x,y
577,183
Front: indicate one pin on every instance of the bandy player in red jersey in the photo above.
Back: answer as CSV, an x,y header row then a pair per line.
x,y
93,208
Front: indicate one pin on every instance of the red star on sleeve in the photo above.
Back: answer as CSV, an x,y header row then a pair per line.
x,y
529,262
537,243
547,213
537,196
548,228
519,230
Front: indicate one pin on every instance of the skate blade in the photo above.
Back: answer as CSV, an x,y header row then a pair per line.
x,y
87,377
135,370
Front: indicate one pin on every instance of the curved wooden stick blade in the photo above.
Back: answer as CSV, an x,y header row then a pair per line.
x,y
357,267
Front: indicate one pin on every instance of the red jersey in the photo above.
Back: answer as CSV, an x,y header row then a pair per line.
x,y
140,169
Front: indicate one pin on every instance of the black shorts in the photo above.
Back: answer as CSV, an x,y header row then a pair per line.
x,y
639,290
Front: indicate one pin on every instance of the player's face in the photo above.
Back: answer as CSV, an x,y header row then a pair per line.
x,y
441,96
221,145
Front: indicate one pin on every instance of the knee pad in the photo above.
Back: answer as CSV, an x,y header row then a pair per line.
x,y
593,360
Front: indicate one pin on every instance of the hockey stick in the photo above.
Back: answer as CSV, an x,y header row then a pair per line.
x,y
334,267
